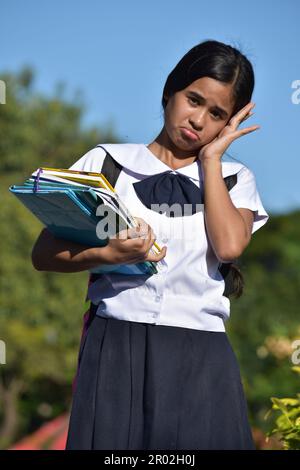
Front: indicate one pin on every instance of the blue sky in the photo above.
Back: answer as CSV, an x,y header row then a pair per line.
x,y
119,54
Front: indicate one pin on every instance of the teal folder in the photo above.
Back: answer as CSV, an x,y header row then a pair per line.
x,y
69,212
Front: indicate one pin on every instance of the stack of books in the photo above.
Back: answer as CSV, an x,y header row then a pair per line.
x,y
82,207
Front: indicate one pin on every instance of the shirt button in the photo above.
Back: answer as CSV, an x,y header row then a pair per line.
x,y
157,298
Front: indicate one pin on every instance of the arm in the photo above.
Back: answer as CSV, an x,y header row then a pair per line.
x,y
55,254
229,228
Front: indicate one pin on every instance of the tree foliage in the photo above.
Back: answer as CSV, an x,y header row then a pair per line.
x,y
41,312
288,421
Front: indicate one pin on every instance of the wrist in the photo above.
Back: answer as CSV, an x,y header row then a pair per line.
x,y
98,255
211,163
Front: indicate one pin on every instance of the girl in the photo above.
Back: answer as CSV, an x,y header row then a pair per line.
x,y
156,369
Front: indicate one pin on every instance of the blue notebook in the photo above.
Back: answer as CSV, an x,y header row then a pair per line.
x,y
69,212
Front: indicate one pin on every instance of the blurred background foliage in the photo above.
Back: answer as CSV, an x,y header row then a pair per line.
x,y
41,313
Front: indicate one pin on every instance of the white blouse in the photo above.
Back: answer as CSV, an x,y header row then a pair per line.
x,y
188,289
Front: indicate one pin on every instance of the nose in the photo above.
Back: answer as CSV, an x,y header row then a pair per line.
x,y
197,119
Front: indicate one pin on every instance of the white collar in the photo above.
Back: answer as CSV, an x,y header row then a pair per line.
x,y
139,159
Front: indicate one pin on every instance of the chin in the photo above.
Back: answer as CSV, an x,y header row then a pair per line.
x,y
187,145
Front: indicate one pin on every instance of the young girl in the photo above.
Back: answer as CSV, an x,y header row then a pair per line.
x,y
156,368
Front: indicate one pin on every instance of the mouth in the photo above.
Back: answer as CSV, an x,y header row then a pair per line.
x,y
190,134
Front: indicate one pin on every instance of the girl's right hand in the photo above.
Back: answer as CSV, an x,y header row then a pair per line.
x,y
130,246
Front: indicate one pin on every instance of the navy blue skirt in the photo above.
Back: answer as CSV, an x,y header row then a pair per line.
x,y
145,386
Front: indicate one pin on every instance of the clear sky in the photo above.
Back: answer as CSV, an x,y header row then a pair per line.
x,y
119,54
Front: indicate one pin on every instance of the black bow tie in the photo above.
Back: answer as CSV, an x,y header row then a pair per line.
x,y
169,189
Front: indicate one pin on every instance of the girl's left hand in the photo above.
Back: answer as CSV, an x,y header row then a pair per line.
x,y
215,149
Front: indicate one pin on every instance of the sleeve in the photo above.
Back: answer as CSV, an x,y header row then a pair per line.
x,y
245,194
91,161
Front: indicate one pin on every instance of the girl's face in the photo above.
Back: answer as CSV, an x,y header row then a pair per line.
x,y
196,115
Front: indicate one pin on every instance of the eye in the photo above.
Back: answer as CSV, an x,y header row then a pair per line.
x,y
193,100
216,115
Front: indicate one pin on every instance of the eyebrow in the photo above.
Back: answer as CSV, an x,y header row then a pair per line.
x,y
200,97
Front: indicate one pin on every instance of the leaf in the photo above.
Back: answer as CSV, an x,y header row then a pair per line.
x,y
290,401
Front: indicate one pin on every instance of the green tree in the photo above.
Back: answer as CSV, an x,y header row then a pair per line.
x,y
40,313
288,421
265,320
36,130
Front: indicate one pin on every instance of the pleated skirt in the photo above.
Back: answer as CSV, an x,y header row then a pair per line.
x,y
145,386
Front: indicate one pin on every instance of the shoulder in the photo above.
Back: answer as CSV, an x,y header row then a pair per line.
x,y
92,161
134,157
245,177
236,168
245,194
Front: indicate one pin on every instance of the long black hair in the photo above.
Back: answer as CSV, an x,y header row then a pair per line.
x,y
227,64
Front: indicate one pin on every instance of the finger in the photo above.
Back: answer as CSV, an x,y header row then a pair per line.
x,y
157,257
140,222
122,235
147,244
238,117
132,233
150,241
143,229
249,129
247,117
146,234
241,132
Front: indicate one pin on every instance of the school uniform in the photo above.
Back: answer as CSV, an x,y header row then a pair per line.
x,y
156,369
